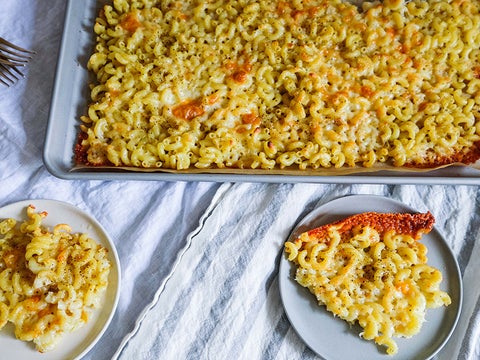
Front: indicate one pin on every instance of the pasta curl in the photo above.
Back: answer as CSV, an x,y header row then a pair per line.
x,y
307,85
50,281
368,271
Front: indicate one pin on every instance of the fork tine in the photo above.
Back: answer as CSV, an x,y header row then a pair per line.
x,y
11,61
4,82
6,74
7,77
11,57
15,53
8,44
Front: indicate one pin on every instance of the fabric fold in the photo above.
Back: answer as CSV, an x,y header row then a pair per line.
x,y
222,300
145,312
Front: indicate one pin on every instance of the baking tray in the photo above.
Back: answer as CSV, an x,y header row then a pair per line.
x,y
69,101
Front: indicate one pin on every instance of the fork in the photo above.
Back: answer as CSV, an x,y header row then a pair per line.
x,y
9,74
11,57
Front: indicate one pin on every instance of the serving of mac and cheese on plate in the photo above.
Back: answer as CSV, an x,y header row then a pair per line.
x,y
380,272
53,281
283,85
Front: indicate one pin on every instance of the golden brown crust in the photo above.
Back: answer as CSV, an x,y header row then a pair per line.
x,y
364,269
80,151
319,86
402,223
467,157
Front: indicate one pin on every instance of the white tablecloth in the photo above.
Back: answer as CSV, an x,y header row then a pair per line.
x,y
199,260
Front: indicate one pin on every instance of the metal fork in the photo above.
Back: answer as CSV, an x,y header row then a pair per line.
x,y
11,57
9,74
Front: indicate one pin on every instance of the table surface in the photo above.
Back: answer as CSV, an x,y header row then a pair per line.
x,y
199,259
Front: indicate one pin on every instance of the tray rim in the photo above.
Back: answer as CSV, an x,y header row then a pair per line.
x,y
62,102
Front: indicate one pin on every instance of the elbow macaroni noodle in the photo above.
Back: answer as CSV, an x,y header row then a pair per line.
x,y
50,281
379,279
283,84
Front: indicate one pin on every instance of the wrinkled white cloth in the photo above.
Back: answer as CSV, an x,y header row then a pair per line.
x,y
198,260
148,221
222,300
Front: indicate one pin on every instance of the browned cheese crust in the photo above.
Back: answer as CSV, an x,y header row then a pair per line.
x,y
304,86
408,224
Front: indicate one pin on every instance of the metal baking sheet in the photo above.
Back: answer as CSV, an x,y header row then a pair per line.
x,y
69,102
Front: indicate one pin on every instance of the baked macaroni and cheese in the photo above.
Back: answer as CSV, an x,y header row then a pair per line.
x,y
304,85
372,270
50,280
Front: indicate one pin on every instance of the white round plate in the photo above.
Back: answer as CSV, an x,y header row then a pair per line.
x,y
333,338
77,344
